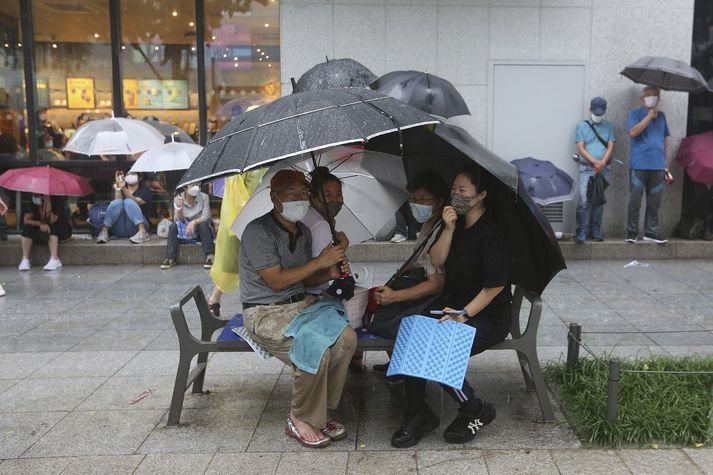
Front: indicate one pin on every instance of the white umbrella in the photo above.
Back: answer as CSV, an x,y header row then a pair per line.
x,y
166,157
114,136
373,185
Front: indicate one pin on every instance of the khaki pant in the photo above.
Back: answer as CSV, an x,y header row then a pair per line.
x,y
312,394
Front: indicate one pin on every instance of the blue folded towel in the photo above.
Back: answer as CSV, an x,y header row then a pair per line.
x,y
315,329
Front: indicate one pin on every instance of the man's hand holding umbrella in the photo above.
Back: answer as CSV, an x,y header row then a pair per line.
x,y
3,207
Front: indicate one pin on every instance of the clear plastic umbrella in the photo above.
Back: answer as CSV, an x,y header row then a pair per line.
x,y
167,157
373,185
114,136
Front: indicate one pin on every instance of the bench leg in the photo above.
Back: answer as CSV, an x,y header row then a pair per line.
x,y
525,368
179,389
198,382
537,379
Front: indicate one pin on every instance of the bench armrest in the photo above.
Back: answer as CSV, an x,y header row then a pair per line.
x,y
209,323
533,320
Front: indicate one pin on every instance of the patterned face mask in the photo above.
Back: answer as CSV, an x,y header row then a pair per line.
x,y
462,204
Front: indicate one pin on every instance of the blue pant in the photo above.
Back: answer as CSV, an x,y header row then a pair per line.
x,y
123,218
589,218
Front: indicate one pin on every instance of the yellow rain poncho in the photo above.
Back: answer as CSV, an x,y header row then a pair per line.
x,y
227,245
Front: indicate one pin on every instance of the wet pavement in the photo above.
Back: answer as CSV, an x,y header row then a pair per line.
x,y
77,344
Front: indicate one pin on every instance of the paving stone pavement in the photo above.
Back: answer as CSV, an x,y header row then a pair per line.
x,y
78,343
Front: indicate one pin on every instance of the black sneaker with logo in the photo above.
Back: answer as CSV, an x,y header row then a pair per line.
x,y
466,424
631,237
168,263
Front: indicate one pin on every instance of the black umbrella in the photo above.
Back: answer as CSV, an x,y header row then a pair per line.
x,y
335,73
301,123
445,149
665,73
424,91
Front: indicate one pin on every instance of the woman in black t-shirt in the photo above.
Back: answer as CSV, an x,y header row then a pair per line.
x,y
47,222
476,292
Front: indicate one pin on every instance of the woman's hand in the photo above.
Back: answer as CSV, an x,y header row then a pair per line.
x,y
452,314
191,227
385,295
449,217
44,228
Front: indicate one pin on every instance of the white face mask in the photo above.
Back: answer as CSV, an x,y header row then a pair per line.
x,y
421,213
193,190
131,179
651,101
597,118
294,211
37,200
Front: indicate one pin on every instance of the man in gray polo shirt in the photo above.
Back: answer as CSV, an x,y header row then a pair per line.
x,y
276,265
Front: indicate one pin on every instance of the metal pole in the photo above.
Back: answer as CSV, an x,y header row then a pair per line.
x,y
28,46
200,57
612,390
573,338
117,88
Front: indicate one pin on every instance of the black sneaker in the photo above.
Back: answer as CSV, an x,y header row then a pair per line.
x,y
658,239
631,237
168,263
208,264
466,425
413,427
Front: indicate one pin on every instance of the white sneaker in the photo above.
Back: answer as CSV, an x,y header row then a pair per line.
x,y
139,237
398,238
103,237
2,291
53,264
24,264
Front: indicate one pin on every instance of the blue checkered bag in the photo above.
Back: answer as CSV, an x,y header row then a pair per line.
x,y
430,350
181,225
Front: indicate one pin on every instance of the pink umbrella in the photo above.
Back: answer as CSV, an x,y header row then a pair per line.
x,y
696,155
45,181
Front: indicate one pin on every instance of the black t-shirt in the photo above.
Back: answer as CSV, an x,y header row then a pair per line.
x,y
478,258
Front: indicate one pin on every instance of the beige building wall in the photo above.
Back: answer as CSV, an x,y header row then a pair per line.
x,y
459,40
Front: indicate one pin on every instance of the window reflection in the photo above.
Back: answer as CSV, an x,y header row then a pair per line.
x,y
242,57
12,100
72,67
159,64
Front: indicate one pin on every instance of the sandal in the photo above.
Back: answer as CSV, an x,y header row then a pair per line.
x,y
214,309
356,365
291,431
335,431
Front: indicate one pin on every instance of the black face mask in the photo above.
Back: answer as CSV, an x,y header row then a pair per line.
x,y
461,204
333,209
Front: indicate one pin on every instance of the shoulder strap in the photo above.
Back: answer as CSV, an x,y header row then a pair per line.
x,y
595,133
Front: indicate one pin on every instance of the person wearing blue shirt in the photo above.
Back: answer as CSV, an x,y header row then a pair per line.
x,y
595,142
648,167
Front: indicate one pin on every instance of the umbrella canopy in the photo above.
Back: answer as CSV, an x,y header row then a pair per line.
x,y
235,107
423,91
545,183
535,256
665,73
373,185
335,73
45,181
300,123
114,136
166,157
696,155
170,131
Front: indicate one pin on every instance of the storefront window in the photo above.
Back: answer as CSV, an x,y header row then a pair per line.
x,y
242,57
13,142
72,69
158,61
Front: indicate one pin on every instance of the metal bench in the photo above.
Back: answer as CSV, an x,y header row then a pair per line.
x,y
524,343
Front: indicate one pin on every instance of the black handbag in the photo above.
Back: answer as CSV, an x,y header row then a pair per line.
x,y
385,321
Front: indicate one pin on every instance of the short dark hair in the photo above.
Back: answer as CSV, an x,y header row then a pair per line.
x,y
432,183
320,176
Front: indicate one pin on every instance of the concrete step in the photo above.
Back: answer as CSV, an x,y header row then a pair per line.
x,y
82,251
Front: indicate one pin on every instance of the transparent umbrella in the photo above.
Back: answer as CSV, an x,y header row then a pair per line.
x,y
114,136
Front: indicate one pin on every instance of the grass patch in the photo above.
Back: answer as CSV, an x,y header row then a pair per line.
x,y
653,408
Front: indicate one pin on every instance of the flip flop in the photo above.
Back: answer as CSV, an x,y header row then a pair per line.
x,y
291,431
